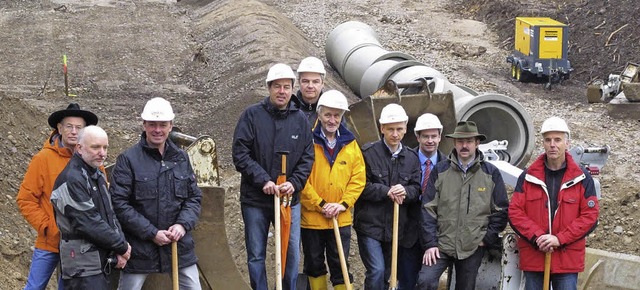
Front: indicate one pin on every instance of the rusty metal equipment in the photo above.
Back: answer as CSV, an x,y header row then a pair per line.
x,y
362,116
625,84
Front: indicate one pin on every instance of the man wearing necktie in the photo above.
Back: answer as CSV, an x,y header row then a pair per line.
x,y
428,130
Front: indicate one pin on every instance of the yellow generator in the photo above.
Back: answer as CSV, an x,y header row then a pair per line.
x,y
540,50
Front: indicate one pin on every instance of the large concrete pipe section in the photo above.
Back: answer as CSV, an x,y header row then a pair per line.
x,y
354,51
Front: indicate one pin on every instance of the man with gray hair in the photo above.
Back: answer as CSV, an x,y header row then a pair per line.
x,y
553,208
90,233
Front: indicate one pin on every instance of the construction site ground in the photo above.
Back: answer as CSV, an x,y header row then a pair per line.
x,y
210,58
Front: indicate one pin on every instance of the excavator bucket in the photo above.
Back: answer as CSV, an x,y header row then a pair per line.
x,y
416,98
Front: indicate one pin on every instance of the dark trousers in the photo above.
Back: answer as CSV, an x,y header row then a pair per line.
x,y
466,271
409,264
315,243
95,282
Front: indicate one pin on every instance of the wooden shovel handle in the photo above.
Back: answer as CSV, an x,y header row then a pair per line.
x,y
174,265
343,260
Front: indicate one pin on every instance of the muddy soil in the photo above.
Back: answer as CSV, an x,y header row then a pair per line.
x,y
209,58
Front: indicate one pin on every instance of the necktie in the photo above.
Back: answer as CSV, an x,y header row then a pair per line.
x,y
427,171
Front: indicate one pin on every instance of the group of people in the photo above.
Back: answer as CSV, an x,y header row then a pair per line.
x,y
88,225
451,208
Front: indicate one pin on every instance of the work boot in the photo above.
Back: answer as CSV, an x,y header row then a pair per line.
x,y
318,283
340,287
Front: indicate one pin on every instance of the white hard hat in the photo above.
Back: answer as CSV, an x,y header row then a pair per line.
x,y
157,109
333,99
427,121
280,71
554,124
311,64
393,113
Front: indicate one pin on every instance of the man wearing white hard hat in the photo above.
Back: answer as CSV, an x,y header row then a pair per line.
x,y
311,74
553,209
428,132
393,176
464,208
263,132
336,181
157,201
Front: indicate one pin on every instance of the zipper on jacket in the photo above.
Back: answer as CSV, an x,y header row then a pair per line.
x,y
468,198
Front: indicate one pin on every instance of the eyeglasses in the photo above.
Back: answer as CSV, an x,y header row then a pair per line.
x,y
70,127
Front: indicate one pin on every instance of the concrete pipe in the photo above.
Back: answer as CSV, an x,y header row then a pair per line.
x,y
353,49
345,39
500,118
362,58
377,74
417,72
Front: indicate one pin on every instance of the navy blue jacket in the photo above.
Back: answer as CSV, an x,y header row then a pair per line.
x,y
374,209
263,131
152,192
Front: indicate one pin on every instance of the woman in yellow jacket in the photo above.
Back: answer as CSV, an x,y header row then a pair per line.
x,y
336,181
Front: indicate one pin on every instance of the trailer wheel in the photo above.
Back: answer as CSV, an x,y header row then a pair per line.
x,y
520,75
513,70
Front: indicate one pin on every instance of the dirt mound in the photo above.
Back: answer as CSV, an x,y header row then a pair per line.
x,y
603,36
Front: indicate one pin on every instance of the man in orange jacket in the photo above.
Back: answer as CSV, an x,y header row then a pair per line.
x,y
35,192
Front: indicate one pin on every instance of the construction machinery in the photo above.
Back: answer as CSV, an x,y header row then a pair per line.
x,y
625,83
540,50
393,77
387,77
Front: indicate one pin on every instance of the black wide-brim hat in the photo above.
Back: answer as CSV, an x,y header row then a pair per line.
x,y
466,129
73,110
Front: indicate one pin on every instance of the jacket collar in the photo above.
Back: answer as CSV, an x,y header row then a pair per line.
x,y
344,137
303,105
54,143
473,166
277,113
170,148
572,176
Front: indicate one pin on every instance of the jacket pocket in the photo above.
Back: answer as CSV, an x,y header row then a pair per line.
x,y
570,203
182,183
79,258
146,186
379,176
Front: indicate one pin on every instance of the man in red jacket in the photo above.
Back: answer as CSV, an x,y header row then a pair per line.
x,y
35,191
553,208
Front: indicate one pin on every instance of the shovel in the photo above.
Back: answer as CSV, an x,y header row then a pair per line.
x,y
394,248
547,259
343,260
174,265
282,223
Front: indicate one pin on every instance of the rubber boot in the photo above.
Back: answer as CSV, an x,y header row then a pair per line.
x,y
318,283
340,287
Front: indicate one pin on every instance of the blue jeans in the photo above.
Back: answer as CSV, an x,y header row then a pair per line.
x,y
188,279
409,264
376,257
466,271
256,228
43,263
534,281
